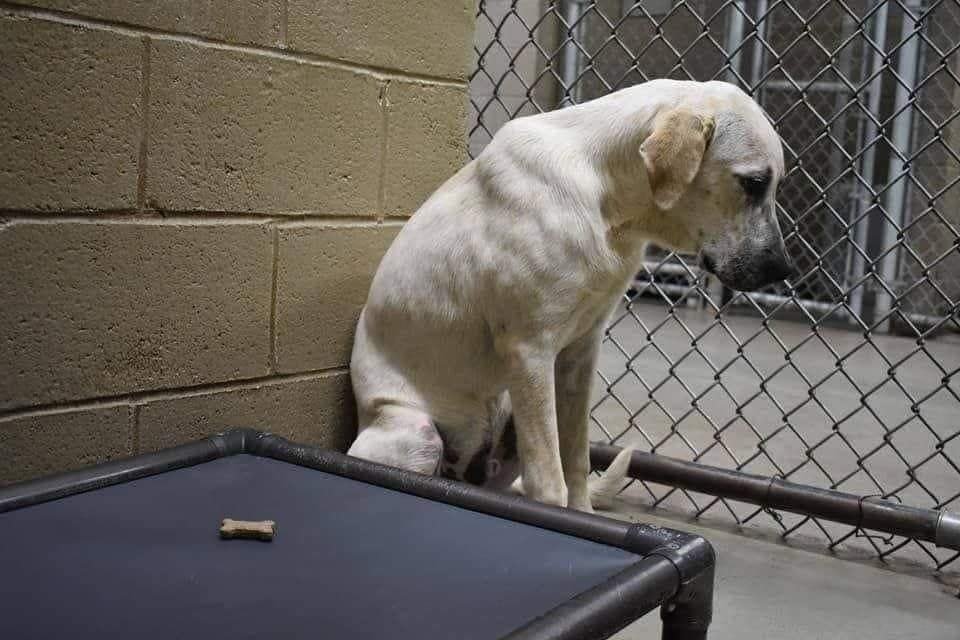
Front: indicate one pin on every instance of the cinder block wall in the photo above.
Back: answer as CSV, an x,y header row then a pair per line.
x,y
193,199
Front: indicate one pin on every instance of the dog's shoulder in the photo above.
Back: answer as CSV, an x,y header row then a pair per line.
x,y
537,159
520,146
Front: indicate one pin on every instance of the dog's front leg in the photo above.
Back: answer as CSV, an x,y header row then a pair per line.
x,y
574,375
531,385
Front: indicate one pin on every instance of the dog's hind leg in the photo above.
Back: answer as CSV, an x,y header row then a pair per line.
x,y
402,438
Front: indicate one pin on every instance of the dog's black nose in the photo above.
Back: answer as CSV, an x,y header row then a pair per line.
x,y
708,263
776,268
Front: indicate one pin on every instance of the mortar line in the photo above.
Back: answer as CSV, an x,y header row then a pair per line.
x,y
272,364
173,393
383,100
160,216
301,57
144,125
336,224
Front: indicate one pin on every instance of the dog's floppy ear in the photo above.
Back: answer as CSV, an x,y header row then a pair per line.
x,y
673,152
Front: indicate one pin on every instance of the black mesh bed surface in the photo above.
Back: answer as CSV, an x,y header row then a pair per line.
x,y
350,560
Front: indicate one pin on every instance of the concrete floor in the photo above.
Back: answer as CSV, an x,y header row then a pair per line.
x,y
768,590
796,427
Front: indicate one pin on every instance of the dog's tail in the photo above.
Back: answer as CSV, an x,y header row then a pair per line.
x,y
604,488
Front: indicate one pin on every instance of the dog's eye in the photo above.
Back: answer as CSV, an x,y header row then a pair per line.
x,y
755,186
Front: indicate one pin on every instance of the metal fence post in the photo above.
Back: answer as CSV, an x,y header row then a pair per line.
x,y
899,171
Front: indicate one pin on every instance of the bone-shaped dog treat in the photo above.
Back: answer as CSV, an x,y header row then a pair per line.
x,y
261,530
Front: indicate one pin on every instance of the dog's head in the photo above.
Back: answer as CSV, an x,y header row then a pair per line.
x,y
713,162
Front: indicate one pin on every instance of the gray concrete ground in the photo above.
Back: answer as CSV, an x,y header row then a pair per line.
x,y
768,590
879,408
856,431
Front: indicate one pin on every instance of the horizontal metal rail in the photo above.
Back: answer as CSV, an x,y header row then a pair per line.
x,y
939,527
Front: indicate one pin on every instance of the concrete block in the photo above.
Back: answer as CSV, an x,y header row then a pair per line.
x,y
426,142
432,37
250,21
323,278
232,131
40,445
70,117
318,410
96,309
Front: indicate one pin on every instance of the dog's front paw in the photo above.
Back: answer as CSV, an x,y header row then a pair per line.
x,y
581,505
554,495
557,498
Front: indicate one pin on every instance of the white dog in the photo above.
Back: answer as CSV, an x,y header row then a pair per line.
x,y
479,338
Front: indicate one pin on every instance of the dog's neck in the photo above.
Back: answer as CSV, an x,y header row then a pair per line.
x,y
609,133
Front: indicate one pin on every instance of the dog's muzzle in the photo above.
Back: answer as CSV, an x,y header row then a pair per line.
x,y
749,273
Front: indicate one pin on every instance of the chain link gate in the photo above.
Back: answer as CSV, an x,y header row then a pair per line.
x,y
844,378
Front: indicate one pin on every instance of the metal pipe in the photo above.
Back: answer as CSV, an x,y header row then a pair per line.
x,y
948,530
896,200
774,299
734,39
571,54
939,527
107,474
653,269
688,615
602,611
759,53
677,574
599,529
670,268
670,289
861,199
831,308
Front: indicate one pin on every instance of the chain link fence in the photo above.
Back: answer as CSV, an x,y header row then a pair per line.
x,y
846,377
